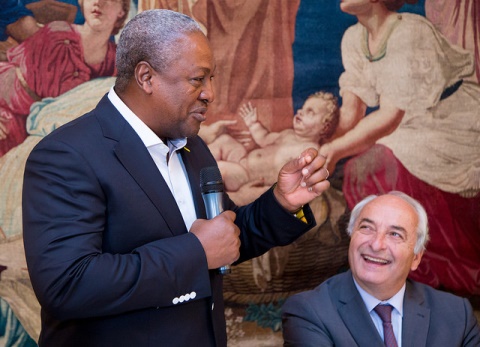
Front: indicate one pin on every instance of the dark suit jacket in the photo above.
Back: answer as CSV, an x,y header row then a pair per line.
x,y
334,314
108,253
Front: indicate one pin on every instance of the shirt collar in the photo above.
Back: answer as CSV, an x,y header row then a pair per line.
x,y
148,137
370,301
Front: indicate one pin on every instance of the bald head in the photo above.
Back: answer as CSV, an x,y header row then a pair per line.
x,y
422,226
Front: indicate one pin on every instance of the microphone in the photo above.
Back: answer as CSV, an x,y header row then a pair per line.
x,y
211,185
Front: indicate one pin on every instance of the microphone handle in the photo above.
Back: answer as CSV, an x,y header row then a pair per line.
x,y
214,206
225,270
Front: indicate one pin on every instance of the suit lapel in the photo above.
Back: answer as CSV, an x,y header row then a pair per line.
x,y
355,315
193,172
196,158
416,318
136,159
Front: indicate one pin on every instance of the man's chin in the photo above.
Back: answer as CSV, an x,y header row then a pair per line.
x,y
191,132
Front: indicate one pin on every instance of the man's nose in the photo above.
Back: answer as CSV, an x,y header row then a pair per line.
x,y
207,94
378,241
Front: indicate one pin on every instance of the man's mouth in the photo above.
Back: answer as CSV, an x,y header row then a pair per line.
x,y
199,114
380,261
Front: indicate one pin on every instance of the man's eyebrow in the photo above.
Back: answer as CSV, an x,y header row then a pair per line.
x,y
368,220
207,69
399,228
394,227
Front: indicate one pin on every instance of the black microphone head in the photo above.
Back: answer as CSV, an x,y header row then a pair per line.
x,y
211,180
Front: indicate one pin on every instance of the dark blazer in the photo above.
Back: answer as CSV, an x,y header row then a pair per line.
x,y
109,256
334,314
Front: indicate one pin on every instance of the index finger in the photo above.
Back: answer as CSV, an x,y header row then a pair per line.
x,y
313,162
308,155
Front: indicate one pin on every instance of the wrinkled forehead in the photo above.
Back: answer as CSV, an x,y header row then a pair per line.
x,y
390,211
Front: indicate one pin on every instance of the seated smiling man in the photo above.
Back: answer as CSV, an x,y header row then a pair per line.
x,y
388,237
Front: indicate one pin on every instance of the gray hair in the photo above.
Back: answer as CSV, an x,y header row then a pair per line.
x,y
422,226
150,36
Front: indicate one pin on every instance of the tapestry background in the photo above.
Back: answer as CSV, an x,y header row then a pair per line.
x,y
273,54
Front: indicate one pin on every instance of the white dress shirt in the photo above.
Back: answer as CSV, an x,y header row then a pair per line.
x,y
397,313
173,170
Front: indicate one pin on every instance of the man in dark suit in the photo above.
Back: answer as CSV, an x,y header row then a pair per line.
x,y
118,247
388,238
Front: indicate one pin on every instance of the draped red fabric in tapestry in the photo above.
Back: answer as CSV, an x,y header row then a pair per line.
x,y
50,63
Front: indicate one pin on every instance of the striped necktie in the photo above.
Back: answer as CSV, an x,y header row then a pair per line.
x,y
385,313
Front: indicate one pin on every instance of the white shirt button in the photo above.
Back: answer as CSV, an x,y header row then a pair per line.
x,y
213,305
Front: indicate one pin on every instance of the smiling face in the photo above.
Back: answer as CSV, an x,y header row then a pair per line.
x,y
381,252
180,94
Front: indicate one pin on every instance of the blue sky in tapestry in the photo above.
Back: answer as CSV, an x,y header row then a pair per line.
x,y
316,51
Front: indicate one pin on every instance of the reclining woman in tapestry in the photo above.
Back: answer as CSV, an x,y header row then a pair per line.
x,y
57,58
424,137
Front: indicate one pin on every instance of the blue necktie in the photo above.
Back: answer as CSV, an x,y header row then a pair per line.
x,y
385,313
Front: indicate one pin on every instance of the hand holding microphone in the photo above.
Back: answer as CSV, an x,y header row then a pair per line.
x,y
219,235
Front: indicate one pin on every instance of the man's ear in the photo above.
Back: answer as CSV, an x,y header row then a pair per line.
x,y
417,258
143,76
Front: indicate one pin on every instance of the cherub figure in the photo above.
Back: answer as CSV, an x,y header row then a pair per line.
x,y
313,125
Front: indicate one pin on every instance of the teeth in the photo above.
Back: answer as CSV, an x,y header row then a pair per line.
x,y
375,260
